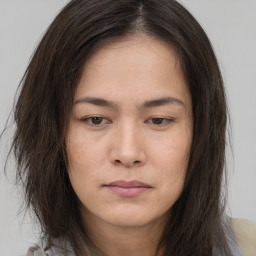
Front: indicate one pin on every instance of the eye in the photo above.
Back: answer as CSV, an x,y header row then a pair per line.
x,y
159,121
95,120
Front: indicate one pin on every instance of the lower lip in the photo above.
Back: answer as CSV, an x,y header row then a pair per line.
x,y
128,191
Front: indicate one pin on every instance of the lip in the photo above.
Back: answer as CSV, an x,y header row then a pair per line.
x,y
128,188
128,184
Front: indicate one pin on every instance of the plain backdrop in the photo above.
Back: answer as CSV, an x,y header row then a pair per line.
x,y
231,27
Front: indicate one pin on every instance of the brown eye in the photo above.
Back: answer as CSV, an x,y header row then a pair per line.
x,y
158,121
96,120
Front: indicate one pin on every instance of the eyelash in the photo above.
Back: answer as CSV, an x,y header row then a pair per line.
x,y
89,121
166,121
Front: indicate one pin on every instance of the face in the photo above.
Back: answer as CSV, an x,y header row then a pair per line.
x,y
130,133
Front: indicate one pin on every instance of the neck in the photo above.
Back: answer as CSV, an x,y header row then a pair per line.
x,y
115,240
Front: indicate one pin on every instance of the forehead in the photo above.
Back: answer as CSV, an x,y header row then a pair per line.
x,y
128,50
138,64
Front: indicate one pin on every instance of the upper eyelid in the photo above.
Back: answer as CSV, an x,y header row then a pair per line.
x,y
90,117
160,117
164,118
149,118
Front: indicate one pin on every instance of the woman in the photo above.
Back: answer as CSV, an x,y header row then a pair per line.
x,y
120,135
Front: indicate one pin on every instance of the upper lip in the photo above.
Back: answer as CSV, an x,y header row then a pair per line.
x,y
128,184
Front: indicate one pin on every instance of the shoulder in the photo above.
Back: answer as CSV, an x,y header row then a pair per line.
x,y
62,247
245,232
36,251
52,251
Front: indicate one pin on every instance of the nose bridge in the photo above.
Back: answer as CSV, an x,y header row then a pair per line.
x,y
129,148
130,137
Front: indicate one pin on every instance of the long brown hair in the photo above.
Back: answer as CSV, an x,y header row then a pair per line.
x,y
43,109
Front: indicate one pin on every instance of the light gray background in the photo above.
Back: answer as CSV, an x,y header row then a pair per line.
x,y
231,26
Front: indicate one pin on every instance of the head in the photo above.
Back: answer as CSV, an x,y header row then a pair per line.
x,y
72,59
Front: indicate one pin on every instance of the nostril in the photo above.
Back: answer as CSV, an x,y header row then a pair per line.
x,y
135,162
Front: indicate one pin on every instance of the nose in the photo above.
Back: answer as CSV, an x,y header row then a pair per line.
x,y
128,149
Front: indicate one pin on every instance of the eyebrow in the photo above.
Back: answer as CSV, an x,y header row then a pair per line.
x,y
147,104
161,102
96,101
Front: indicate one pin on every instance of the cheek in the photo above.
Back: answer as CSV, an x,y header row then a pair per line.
x,y
78,154
82,150
171,179
171,160
83,179
172,151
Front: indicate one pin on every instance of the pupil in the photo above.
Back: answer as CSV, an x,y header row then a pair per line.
x,y
96,120
157,120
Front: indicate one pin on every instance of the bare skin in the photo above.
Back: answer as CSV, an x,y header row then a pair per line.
x,y
115,240
128,143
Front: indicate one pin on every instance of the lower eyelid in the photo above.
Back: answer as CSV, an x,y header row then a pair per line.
x,y
88,120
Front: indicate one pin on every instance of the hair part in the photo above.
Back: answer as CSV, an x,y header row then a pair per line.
x,y
45,103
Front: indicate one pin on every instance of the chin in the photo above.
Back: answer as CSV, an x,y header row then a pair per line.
x,y
131,217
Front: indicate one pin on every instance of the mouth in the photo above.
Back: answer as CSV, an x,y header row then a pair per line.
x,y
128,188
